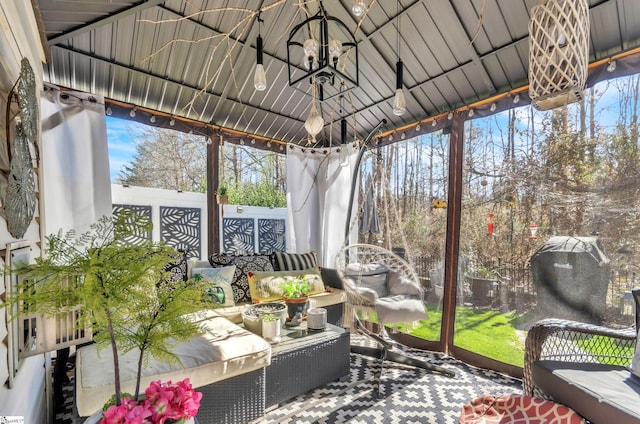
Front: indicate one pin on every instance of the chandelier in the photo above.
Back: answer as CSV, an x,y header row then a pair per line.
x,y
323,50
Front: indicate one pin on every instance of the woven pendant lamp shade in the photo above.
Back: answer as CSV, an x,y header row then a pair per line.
x,y
558,52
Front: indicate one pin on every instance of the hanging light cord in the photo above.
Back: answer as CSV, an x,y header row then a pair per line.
x,y
398,38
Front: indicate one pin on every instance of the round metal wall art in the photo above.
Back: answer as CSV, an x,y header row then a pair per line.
x,y
21,197
28,102
20,201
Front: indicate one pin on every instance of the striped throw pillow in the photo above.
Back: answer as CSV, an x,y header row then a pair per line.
x,y
282,261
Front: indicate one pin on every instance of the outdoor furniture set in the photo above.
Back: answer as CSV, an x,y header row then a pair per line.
x,y
589,368
239,373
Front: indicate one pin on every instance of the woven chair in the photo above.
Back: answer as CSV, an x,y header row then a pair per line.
x,y
403,302
559,339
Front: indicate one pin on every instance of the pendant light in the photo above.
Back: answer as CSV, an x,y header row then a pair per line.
x,y
399,103
358,8
259,77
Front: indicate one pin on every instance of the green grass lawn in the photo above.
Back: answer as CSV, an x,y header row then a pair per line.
x,y
486,332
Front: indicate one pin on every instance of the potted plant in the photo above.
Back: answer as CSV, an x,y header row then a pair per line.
x,y
270,327
110,281
296,295
222,195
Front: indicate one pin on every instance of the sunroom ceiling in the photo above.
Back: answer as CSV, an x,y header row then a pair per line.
x,y
196,58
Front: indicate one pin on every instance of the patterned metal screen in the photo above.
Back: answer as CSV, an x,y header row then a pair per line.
x,y
238,235
180,228
138,237
271,235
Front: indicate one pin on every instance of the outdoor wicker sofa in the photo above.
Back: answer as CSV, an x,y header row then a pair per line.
x,y
585,367
227,363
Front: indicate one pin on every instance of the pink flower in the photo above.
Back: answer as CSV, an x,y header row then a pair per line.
x,y
164,403
129,412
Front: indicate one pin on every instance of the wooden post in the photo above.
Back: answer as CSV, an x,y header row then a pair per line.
x,y
452,246
213,211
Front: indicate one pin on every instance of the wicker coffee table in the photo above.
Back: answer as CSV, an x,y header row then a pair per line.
x,y
304,360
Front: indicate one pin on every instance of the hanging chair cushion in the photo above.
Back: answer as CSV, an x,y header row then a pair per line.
x,y
399,309
517,409
369,278
399,284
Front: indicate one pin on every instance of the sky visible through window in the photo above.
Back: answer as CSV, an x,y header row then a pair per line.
x,y
122,133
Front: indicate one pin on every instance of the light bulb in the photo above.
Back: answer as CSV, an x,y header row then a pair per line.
x,y
132,113
152,119
611,66
471,113
403,135
434,123
335,50
310,48
516,99
259,78
109,112
418,127
450,116
172,122
493,107
358,7
399,104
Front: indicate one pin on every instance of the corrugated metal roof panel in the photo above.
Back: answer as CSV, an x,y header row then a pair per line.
x,y
174,56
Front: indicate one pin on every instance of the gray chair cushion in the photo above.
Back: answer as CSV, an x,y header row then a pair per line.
x,y
397,309
601,393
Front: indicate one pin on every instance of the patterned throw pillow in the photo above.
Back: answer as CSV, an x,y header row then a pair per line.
x,y
282,261
178,269
244,264
264,286
219,287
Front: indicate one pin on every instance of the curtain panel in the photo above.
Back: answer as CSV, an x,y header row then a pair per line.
x,y
318,183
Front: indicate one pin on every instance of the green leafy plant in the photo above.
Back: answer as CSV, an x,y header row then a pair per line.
x,y
268,317
222,190
295,288
124,291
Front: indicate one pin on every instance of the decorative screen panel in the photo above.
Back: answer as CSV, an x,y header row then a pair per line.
x,y
139,236
238,235
180,228
271,235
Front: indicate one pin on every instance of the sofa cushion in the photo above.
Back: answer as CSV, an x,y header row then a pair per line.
x,y
244,264
600,393
219,283
225,350
264,286
283,261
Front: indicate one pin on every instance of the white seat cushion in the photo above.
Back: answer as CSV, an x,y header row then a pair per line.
x,y
224,351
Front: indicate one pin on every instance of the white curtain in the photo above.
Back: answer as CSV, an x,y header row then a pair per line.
x,y
75,160
318,185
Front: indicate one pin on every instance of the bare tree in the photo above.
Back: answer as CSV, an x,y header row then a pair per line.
x,y
167,159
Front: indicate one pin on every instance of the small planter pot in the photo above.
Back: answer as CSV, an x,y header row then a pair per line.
x,y
271,330
295,305
251,315
222,199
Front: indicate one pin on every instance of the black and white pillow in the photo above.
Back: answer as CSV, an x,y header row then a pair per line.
x,y
282,261
177,269
244,264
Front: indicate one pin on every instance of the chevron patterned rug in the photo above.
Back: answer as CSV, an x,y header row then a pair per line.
x,y
410,395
